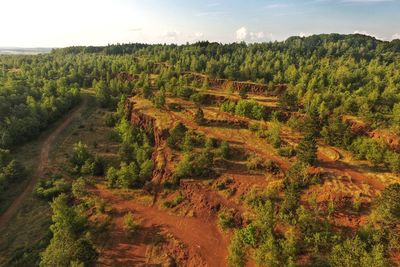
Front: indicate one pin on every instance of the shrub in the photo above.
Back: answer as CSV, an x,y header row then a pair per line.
x,y
130,226
237,253
254,163
195,165
47,189
224,150
79,188
387,207
172,204
185,92
307,150
273,134
176,135
287,151
228,106
272,167
110,119
392,160
226,219
354,252
199,117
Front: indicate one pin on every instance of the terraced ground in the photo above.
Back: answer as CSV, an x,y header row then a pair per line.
x,y
188,233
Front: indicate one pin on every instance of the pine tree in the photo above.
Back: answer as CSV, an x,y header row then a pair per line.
x,y
307,150
199,117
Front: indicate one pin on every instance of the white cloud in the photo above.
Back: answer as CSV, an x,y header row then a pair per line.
x,y
305,34
396,36
241,33
213,4
171,34
254,36
210,13
276,5
199,35
365,1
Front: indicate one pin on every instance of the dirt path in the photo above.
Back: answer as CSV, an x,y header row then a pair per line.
x,y
43,162
205,243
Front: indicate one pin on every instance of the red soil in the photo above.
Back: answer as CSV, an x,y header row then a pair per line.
x,y
205,244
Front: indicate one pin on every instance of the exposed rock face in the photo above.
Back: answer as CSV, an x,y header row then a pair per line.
x,y
161,172
391,139
124,76
252,87
359,127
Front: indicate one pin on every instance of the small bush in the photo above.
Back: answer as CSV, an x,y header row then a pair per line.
x,y
47,189
172,204
272,167
287,151
226,219
130,226
254,163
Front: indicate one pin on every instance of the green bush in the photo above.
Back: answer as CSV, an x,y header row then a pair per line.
x,y
47,189
130,226
224,150
287,151
176,135
172,204
226,219
236,251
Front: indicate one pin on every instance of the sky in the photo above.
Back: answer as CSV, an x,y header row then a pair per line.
x,y
60,23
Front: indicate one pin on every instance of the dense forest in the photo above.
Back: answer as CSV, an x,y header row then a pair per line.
x,y
319,82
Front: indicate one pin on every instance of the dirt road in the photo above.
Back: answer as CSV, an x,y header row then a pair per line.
x,y
206,245
43,162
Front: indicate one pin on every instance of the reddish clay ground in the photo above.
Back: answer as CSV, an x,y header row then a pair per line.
x,y
205,244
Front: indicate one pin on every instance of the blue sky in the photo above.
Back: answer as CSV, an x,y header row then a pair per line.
x,y
49,23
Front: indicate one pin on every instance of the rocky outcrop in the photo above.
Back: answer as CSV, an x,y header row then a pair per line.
x,y
391,139
251,87
162,171
124,76
358,127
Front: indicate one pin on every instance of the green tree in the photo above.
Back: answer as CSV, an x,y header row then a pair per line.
x,y
237,253
69,243
307,150
387,207
199,117
224,150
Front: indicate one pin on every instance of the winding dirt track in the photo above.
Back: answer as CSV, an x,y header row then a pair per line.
x,y
43,162
207,246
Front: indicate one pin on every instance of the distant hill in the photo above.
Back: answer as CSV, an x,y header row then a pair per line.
x,y
23,51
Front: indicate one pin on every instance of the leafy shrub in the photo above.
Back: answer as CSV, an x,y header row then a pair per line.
x,y
224,150
176,135
172,204
254,163
226,219
287,151
273,134
130,226
110,119
237,254
272,167
195,165
185,92
47,189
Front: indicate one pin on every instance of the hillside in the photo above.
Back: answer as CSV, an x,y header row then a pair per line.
x,y
206,154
